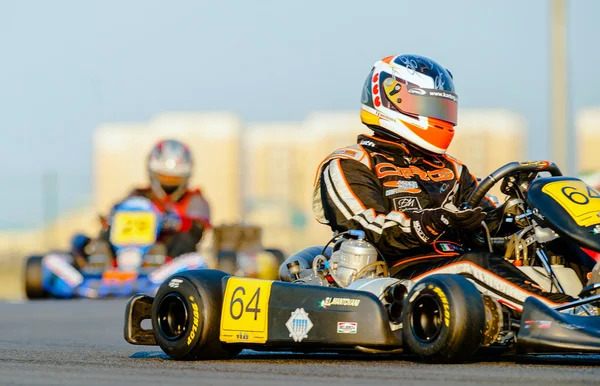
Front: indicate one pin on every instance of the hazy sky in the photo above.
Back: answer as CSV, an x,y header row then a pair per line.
x,y
67,66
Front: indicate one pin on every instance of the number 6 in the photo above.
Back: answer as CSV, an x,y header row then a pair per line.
x,y
576,193
237,300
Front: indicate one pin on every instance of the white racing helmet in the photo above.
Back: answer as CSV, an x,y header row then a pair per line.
x,y
411,98
170,167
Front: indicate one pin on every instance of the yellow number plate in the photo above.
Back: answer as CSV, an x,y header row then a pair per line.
x,y
133,228
581,201
245,310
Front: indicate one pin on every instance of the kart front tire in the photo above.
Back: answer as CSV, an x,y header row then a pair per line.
x,y
33,278
186,316
444,319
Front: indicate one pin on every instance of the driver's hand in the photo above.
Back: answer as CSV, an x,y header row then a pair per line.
x,y
467,219
429,224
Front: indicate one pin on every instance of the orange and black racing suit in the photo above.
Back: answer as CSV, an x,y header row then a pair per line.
x,y
380,186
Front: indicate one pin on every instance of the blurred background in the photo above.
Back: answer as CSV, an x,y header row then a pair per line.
x,y
262,91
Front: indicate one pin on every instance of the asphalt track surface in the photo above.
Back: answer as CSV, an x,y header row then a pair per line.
x,y
80,343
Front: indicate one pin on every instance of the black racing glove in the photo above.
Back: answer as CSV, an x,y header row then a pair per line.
x,y
429,224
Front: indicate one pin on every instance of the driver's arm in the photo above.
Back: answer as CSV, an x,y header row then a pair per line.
x,y
352,197
468,183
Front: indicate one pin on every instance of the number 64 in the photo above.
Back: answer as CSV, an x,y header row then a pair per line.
x,y
254,299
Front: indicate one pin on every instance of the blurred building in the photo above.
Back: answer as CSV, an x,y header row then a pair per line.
x,y
486,139
588,140
262,173
121,151
282,159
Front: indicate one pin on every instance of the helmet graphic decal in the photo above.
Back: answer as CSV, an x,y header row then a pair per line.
x,y
413,98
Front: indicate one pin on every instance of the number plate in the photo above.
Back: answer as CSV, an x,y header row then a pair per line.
x,y
133,228
578,199
245,310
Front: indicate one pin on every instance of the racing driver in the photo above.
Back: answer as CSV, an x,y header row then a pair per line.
x,y
401,188
187,213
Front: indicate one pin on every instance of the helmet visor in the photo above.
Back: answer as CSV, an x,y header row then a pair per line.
x,y
424,102
166,180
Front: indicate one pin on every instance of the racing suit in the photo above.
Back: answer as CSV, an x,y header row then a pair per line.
x,y
383,187
193,212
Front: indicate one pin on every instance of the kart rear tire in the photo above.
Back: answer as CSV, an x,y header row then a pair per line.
x,y
33,278
444,319
186,316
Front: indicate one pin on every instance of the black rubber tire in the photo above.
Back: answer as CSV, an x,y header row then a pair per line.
x,y
193,303
442,330
33,278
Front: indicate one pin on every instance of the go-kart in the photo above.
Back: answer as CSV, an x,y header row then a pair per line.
x,y
134,259
130,261
343,298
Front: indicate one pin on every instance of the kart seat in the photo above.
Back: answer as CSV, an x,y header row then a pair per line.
x,y
305,258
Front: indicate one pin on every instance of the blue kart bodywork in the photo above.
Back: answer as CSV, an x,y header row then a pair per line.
x,y
135,225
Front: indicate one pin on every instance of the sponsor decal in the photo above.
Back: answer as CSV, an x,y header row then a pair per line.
x,y
538,323
347,327
444,220
417,91
242,336
382,115
445,304
196,318
419,230
443,94
386,169
329,301
364,142
349,152
431,230
299,324
596,229
402,186
539,164
406,203
544,323
174,283
449,247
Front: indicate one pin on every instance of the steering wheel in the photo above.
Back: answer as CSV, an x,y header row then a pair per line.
x,y
513,167
510,168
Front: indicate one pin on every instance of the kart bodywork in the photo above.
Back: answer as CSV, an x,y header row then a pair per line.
x,y
344,300
277,316
134,259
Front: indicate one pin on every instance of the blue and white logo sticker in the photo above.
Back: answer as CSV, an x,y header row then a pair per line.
x,y
299,325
